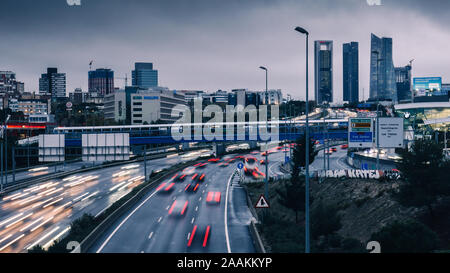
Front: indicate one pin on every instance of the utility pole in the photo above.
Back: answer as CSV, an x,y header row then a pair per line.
x,y
266,190
307,221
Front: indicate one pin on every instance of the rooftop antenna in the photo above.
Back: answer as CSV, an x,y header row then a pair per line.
x,y
90,65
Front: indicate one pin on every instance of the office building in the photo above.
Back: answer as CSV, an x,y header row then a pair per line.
x,y
78,96
274,96
10,85
53,84
351,72
404,83
382,74
144,76
115,107
30,106
323,71
154,104
101,81
244,97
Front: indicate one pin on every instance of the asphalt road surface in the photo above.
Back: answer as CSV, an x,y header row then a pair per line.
x,y
42,213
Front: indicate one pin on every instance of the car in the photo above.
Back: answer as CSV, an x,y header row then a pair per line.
x,y
213,197
334,149
178,207
344,146
200,177
262,162
165,187
200,165
240,157
249,164
256,173
214,160
192,186
201,232
328,152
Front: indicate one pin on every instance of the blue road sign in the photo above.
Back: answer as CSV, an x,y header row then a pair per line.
x,y
240,166
360,137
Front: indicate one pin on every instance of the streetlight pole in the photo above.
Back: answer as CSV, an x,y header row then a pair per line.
x,y
307,247
378,107
266,191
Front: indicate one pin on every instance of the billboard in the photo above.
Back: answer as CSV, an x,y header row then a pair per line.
x,y
391,132
360,133
51,148
427,86
105,147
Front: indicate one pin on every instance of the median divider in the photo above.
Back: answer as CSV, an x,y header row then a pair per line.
x,y
257,242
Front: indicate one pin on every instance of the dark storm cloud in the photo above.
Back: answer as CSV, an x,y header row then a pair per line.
x,y
212,44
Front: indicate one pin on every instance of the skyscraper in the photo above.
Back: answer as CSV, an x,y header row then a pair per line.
x,y
144,76
323,72
382,74
101,81
53,83
351,72
404,82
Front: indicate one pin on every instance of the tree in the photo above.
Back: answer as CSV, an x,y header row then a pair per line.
x,y
325,220
426,175
299,156
292,195
407,237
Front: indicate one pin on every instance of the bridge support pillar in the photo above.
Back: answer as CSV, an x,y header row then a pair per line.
x,y
253,144
218,148
185,146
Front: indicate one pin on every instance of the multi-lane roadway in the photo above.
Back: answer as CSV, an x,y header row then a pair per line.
x,y
40,214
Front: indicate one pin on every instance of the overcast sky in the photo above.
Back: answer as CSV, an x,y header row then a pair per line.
x,y
217,44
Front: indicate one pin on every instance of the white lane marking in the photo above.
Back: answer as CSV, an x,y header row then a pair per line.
x,y
193,219
123,222
160,218
200,199
150,235
227,238
196,208
168,207
189,236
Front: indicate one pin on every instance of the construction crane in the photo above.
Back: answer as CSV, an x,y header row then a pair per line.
x,y
126,79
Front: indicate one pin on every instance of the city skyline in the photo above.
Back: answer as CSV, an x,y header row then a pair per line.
x,y
223,54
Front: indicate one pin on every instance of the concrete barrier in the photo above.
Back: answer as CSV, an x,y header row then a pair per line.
x,y
257,242
87,243
259,246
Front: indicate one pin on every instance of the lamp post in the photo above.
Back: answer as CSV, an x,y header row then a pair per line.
x,y
378,107
307,247
266,190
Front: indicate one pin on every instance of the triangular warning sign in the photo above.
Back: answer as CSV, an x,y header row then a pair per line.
x,y
262,203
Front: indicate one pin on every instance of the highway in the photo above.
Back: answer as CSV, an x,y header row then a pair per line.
x,y
213,218
179,221
155,225
44,170
42,213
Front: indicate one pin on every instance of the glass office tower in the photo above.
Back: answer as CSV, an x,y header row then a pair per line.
x,y
382,73
323,71
351,72
144,76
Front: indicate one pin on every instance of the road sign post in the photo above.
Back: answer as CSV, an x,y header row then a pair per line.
x,y
391,132
262,203
360,133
